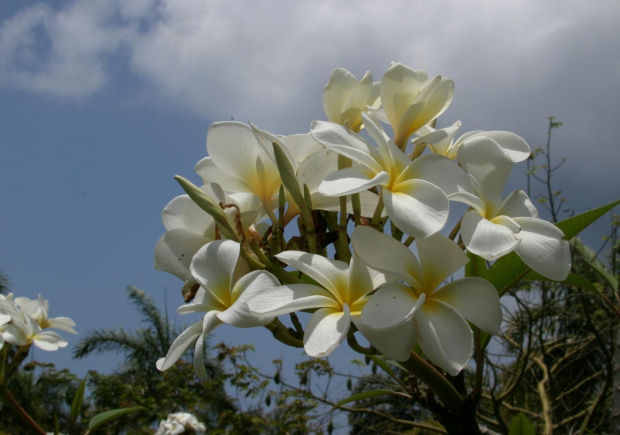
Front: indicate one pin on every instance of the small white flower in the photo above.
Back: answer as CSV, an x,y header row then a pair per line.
x,y
225,288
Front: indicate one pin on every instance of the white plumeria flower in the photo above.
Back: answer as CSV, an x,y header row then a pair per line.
x,y
415,193
225,288
38,309
442,141
25,330
240,163
344,292
417,307
178,422
188,227
411,100
345,99
497,226
312,164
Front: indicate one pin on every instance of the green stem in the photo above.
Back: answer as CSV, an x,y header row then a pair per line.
x,y
280,333
21,412
435,380
344,253
376,218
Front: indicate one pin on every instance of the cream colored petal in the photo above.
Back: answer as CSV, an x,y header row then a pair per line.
x,y
486,239
476,299
444,336
439,257
386,254
543,248
213,267
331,274
289,298
325,331
351,180
417,207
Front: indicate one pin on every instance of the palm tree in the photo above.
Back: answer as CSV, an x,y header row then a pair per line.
x,y
4,283
138,382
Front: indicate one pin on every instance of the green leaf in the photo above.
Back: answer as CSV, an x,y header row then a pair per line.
x,y
477,266
576,224
384,366
506,272
76,405
364,395
572,279
521,426
509,269
110,415
611,280
206,203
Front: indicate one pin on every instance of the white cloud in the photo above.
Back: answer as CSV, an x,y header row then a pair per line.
x,y
514,62
61,53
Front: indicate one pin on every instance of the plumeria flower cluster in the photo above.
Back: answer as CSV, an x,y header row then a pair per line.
x,y
24,322
371,191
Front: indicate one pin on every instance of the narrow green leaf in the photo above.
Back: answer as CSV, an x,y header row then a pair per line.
x,y
521,426
576,224
506,272
208,205
76,405
611,280
384,366
364,395
572,279
110,415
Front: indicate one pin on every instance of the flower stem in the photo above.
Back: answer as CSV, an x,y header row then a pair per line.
x,y
435,380
19,410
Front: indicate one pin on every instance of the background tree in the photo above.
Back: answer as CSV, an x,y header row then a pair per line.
x,y
137,382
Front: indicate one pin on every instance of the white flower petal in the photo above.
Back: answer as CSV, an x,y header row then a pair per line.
x,y
226,141
514,146
209,323
487,163
486,239
351,180
289,298
439,170
325,331
386,254
391,306
475,299
337,92
175,249
180,345
439,257
543,248
395,343
518,204
49,340
331,274
214,264
417,207
249,286
346,142
210,172
444,335
317,167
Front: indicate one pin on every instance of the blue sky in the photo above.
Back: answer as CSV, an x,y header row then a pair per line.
x,y
102,103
